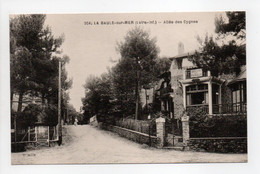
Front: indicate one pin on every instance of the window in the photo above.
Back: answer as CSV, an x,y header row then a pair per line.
x,y
239,93
197,94
197,98
239,97
197,88
215,93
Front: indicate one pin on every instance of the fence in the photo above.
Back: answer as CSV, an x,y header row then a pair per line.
x,y
147,126
33,136
131,134
150,132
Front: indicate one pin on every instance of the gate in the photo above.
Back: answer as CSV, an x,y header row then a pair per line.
x,y
173,132
151,130
24,135
42,133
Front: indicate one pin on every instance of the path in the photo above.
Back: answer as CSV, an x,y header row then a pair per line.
x,y
86,144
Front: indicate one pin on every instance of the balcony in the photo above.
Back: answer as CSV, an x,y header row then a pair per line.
x,y
234,108
165,91
203,107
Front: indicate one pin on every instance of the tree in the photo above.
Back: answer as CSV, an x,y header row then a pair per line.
x,y
116,93
123,84
235,26
21,73
33,67
140,51
223,55
162,65
97,100
21,66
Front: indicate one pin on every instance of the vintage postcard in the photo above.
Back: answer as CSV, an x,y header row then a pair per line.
x,y
112,88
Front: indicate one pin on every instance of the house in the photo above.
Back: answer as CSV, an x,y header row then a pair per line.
x,y
185,86
27,99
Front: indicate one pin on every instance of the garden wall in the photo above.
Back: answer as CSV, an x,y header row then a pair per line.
x,y
220,133
131,134
221,145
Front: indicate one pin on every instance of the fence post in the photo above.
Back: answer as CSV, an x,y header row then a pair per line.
x,y
36,132
185,131
160,131
29,130
49,136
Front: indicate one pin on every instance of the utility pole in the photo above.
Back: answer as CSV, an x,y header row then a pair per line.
x,y
59,107
137,90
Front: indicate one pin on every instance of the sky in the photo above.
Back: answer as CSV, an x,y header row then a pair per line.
x,y
92,46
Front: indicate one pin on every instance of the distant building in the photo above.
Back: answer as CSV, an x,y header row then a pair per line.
x,y
27,99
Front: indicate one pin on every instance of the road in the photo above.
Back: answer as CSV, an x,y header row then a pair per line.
x,y
84,144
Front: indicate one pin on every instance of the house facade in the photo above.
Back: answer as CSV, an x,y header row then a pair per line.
x,y
185,86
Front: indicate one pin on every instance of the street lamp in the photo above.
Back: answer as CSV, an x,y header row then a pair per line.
x,y
59,106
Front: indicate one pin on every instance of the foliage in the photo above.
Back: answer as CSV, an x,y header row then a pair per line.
x,y
36,114
161,65
139,47
202,125
34,68
223,55
113,95
123,84
29,116
140,52
97,100
236,25
51,115
72,114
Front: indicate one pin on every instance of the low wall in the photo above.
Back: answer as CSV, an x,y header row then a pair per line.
x,y
221,145
93,121
130,134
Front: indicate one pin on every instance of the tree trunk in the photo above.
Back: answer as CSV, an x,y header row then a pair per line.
x,y
12,96
43,98
20,102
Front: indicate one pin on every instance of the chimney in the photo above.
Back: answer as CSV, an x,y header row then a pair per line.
x,y
180,48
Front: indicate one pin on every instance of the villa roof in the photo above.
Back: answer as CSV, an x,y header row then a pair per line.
x,y
183,55
240,77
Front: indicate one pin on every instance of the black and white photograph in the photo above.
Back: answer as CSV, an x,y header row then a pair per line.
x,y
128,88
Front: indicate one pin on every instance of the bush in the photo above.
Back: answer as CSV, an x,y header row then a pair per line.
x,y
202,125
51,115
29,115
34,113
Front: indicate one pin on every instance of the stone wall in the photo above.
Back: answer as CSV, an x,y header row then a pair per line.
x,y
176,76
235,145
130,134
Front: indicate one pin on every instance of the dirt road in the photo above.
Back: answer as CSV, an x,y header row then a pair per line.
x,y
85,144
